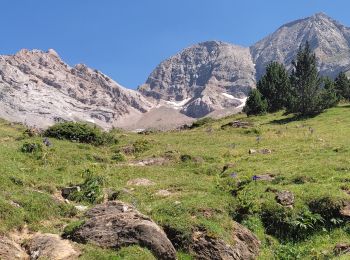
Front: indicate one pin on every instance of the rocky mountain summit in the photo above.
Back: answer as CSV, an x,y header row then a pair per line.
x,y
329,39
212,78
38,88
202,78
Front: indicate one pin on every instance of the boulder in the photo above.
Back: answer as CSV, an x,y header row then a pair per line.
x,y
69,190
252,151
345,210
9,250
285,198
140,182
341,249
149,162
237,124
261,151
246,245
163,193
50,246
264,177
115,224
265,151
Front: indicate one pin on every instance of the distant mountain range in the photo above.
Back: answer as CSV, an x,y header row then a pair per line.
x,y
208,79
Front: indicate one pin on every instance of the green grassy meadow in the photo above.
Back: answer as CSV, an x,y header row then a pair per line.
x,y
309,157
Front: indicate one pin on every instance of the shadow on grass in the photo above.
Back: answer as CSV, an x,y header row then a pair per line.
x,y
343,106
291,119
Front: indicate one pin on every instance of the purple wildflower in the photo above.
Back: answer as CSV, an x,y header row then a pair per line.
x,y
233,175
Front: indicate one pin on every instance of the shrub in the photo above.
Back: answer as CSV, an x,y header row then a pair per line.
x,y
16,181
118,157
327,207
90,190
289,224
31,148
141,146
201,122
80,132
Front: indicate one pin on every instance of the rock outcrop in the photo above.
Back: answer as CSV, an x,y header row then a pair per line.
x,y
115,224
205,77
246,246
10,250
285,198
51,246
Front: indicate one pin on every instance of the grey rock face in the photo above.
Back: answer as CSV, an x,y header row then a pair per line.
x,y
329,39
116,224
205,77
39,89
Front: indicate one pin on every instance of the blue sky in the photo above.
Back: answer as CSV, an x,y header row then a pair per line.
x,y
127,39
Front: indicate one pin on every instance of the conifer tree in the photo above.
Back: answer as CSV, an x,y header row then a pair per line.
x,y
255,104
274,86
306,96
342,86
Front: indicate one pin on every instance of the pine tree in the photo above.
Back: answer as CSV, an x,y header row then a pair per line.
x,y
329,95
255,104
342,86
306,96
274,86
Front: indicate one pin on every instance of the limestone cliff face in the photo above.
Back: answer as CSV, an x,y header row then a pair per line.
x,y
38,88
204,77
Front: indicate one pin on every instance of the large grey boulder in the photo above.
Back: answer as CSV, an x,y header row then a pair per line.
x,y
116,224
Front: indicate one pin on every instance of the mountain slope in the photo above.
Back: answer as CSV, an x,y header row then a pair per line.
x,y
202,78
329,39
37,88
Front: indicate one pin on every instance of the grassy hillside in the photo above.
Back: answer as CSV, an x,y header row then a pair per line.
x,y
310,158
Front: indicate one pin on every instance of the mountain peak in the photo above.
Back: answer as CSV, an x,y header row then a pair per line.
x,y
321,15
328,39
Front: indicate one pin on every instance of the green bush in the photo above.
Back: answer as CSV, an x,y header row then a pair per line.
x,y
201,122
90,190
290,224
328,208
141,146
80,132
118,157
31,148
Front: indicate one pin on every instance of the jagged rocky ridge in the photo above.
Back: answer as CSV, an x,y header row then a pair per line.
x,y
207,79
38,88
